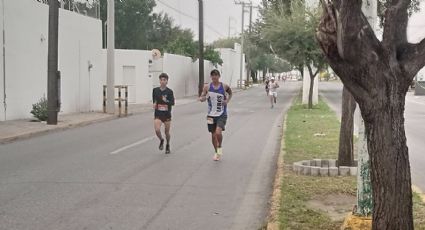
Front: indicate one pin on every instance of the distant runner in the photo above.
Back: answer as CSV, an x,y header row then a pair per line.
x,y
218,95
273,93
267,87
163,100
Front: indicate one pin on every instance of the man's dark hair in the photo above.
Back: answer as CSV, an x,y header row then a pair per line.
x,y
215,72
163,75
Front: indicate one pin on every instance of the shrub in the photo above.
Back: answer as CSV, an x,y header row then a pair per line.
x,y
39,109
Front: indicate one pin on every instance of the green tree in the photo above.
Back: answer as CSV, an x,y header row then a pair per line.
x,y
213,56
378,75
292,37
226,42
182,43
133,22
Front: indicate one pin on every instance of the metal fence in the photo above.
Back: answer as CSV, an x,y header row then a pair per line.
x,y
89,8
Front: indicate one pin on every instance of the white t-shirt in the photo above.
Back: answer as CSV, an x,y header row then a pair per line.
x,y
273,86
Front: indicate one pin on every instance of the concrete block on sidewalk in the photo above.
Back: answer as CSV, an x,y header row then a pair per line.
x,y
333,171
325,163
315,171
332,163
324,171
318,162
306,163
353,171
297,167
344,171
306,170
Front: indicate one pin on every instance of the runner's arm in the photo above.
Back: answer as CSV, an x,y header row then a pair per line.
x,y
203,96
228,91
172,100
153,99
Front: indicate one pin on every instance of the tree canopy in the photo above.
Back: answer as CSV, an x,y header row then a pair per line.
x,y
137,27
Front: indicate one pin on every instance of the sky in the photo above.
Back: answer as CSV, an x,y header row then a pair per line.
x,y
218,14
416,26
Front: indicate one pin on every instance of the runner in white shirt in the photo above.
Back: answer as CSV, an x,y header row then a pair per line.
x,y
218,96
272,91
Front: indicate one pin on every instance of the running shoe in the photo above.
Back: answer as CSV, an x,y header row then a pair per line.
x,y
167,149
219,151
161,144
216,157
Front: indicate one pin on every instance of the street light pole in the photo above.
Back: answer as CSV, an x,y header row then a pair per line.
x,y
110,79
201,48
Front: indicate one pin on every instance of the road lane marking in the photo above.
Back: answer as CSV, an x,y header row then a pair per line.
x,y
132,145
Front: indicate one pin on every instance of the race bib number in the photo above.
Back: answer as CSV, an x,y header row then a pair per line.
x,y
162,107
210,120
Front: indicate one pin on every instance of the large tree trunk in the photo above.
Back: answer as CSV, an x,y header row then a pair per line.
x,y
378,75
389,158
346,152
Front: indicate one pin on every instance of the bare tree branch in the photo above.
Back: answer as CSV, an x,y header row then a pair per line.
x,y
395,27
413,58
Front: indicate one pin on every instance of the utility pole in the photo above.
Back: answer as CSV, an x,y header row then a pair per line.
x,y
201,48
244,4
228,35
52,67
4,60
250,18
110,78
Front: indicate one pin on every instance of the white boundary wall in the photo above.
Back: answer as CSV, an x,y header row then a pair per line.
x,y
139,59
182,72
231,65
80,42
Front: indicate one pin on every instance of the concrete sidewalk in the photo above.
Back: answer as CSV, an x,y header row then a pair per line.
x,y
25,128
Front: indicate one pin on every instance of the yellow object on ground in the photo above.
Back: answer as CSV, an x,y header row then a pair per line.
x,y
353,222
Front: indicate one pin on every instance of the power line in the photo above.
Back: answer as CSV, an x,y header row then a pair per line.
x,y
190,16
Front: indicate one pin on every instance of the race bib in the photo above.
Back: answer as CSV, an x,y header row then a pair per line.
x,y
162,107
210,120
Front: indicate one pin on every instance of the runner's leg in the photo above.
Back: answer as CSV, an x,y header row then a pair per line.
x,y
157,126
214,141
167,131
271,99
167,135
219,136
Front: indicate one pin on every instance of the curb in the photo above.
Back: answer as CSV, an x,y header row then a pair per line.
x,y
273,216
54,129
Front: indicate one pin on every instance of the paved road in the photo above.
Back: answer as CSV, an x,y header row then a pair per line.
x,y
415,127
112,176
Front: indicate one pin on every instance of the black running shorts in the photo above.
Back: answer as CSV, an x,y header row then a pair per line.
x,y
213,122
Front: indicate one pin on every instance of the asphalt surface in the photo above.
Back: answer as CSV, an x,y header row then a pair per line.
x,y
111,175
414,124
